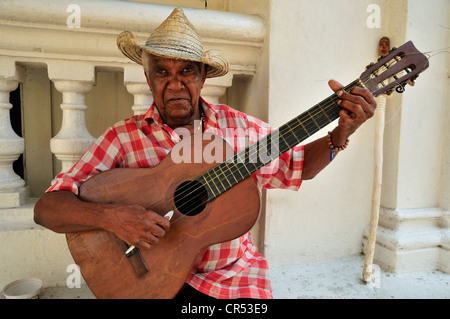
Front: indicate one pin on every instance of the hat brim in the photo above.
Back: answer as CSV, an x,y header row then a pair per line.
x,y
217,64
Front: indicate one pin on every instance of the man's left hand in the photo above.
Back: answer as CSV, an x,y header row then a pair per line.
x,y
358,105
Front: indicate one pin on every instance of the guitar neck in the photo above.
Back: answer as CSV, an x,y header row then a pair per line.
x,y
244,163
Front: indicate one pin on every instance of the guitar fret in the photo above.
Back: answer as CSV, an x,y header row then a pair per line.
x,y
321,109
224,179
230,166
293,133
304,128
238,170
210,184
313,120
246,172
220,181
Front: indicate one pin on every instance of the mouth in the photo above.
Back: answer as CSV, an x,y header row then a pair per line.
x,y
179,99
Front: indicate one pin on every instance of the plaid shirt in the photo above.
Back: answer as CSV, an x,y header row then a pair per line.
x,y
232,269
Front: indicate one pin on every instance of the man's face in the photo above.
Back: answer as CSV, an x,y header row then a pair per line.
x,y
176,86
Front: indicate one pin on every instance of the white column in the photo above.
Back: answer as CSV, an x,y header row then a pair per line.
x,y
414,218
136,83
143,97
214,88
13,192
73,139
73,80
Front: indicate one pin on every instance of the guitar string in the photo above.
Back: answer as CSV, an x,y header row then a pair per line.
x,y
333,99
305,123
229,168
310,117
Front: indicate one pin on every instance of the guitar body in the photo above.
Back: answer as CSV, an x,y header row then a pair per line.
x,y
161,271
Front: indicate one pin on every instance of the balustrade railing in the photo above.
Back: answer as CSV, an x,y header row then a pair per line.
x,y
72,56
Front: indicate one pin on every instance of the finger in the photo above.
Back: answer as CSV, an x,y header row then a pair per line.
x,y
147,240
356,103
364,93
335,85
161,221
143,245
157,231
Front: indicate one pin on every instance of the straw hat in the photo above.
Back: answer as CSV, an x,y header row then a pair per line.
x,y
175,38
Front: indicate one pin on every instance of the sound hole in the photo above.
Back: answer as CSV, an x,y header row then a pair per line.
x,y
190,198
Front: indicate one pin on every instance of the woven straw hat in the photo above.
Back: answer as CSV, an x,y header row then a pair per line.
x,y
175,38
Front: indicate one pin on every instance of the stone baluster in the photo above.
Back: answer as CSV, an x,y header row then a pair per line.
x,y
12,190
142,96
136,84
73,139
214,88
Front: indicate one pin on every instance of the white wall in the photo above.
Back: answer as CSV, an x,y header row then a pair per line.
x,y
312,42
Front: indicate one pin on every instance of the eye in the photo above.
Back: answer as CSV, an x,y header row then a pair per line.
x,y
187,69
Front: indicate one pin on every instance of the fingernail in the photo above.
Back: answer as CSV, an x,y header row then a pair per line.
x,y
339,93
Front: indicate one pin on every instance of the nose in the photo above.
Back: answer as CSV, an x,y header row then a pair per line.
x,y
175,83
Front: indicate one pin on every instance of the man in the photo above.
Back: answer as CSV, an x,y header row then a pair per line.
x,y
176,68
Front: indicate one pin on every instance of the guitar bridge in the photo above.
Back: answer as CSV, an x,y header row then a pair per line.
x,y
134,257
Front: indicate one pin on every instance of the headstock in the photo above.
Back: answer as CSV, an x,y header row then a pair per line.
x,y
392,72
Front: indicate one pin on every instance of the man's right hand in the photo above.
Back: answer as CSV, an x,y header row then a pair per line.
x,y
135,225
63,212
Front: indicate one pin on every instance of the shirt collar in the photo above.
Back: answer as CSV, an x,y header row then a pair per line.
x,y
153,115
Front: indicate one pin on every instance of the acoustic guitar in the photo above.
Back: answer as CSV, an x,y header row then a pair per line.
x,y
211,202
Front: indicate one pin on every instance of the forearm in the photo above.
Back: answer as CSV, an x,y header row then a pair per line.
x,y
317,153
63,212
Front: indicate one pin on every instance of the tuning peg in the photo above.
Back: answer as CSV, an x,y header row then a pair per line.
x,y
389,92
411,80
370,65
400,88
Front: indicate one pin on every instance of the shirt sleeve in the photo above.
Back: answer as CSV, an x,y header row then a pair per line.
x,y
285,172
105,153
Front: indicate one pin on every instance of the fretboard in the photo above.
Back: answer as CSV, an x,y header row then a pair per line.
x,y
244,163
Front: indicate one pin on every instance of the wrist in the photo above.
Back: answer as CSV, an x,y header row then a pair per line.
x,y
334,147
338,138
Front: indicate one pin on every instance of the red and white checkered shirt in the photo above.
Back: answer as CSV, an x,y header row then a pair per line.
x,y
232,269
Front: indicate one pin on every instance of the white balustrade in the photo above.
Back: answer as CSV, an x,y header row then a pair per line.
x,y
143,97
72,55
12,190
214,88
73,139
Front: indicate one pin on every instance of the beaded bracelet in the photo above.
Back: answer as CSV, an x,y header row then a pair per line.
x,y
334,148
